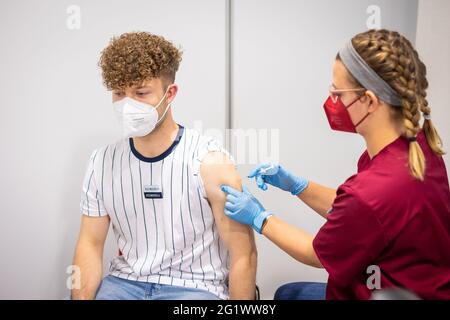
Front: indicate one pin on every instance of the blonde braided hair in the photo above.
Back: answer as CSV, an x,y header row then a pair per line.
x,y
394,59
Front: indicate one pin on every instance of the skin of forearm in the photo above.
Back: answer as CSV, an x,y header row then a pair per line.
x,y
88,257
319,198
242,277
294,241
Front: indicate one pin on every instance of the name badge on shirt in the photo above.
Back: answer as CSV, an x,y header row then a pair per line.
x,y
153,192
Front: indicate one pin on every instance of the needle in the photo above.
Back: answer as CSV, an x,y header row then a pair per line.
x,y
265,170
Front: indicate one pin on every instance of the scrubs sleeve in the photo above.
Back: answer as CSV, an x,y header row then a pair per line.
x,y
351,239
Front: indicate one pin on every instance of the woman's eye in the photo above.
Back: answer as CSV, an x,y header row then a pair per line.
x,y
142,93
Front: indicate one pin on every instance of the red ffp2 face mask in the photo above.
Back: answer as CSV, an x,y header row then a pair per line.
x,y
338,115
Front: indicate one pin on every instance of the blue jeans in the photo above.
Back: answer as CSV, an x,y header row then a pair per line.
x,y
301,291
114,288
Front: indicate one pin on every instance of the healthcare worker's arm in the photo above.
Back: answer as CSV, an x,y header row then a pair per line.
x,y
292,240
89,256
216,169
317,197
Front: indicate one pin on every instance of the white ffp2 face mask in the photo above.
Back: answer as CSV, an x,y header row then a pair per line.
x,y
138,119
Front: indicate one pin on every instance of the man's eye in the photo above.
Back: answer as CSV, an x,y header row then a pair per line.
x,y
142,93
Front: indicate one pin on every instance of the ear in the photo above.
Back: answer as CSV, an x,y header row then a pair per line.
x,y
372,100
172,92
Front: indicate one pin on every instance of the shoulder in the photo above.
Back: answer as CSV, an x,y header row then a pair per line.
x,y
201,142
106,153
385,190
372,184
350,200
212,163
205,147
384,175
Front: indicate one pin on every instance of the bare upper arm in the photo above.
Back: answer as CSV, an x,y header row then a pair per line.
x,y
217,169
94,229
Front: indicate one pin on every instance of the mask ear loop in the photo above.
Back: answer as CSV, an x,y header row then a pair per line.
x,y
365,117
356,125
167,108
162,99
353,102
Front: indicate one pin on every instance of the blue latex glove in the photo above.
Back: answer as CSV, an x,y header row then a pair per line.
x,y
279,177
244,208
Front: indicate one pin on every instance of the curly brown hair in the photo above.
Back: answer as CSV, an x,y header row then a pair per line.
x,y
135,57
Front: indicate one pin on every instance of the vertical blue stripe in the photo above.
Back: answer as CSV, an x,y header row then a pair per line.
x,y
214,240
103,170
203,233
171,215
87,190
113,199
210,259
134,207
218,250
188,198
143,215
156,220
162,187
123,204
98,203
89,182
181,205
192,223
190,212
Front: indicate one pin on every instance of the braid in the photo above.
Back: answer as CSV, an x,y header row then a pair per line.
x,y
433,138
393,57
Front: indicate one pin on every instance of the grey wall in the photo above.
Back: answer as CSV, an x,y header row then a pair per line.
x,y
433,43
55,110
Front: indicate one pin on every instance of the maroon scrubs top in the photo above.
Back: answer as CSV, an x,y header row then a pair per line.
x,y
383,216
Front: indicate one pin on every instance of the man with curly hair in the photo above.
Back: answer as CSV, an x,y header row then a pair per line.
x,y
159,187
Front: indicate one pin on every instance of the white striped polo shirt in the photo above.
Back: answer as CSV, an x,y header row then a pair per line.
x,y
162,221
